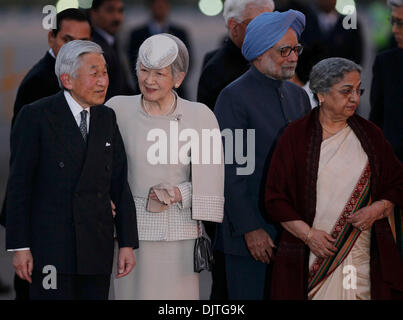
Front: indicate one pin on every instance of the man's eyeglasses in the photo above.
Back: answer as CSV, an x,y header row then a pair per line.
x,y
397,22
349,91
286,51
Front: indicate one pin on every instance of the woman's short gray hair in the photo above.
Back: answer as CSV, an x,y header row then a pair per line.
x,y
328,72
395,3
68,59
181,63
235,8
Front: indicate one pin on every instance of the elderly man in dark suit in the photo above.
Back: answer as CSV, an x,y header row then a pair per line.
x,y
41,81
67,162
263,101
107,17
386,90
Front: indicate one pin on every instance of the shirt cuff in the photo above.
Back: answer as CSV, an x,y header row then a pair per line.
x,y
19,249
185,189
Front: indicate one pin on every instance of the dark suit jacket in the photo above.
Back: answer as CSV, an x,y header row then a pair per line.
x,y
226,65
59,189
140,34
387,97
40,82
257,102
208,56
118,82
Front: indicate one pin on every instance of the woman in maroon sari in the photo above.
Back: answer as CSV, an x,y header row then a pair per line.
x,y
334,185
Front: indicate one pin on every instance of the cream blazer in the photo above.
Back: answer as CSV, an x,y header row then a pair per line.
x,y
173,149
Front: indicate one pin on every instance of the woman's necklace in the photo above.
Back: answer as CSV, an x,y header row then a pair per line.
x,y
332,132
169,111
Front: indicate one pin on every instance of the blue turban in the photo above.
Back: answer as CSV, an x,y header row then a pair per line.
x,y
267,29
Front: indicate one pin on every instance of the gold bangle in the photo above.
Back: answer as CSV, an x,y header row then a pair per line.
x,y
308,236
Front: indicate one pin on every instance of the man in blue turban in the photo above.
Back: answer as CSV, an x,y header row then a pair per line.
x,y
263,101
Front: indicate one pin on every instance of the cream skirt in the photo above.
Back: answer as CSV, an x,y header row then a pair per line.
x,y
163,271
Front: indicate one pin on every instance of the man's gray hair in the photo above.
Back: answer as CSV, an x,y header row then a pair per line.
x,y
328,72
181,63
235,8
395,3
68,59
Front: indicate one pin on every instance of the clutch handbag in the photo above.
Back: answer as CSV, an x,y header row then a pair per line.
x,y
203,252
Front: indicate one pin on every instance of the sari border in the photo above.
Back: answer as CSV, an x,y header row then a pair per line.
x,y
340,230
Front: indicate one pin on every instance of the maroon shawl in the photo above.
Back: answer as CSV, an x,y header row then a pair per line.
x,y
291,195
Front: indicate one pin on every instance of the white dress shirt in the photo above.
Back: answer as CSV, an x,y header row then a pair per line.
x,y
75,109
52,53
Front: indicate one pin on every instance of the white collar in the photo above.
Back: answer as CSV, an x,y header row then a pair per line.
x,y
328,20
109,38
75,107
52,53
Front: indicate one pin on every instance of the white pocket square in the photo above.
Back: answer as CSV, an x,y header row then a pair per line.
x,y
107,144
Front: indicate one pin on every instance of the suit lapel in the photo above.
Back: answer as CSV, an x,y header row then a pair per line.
x,y
65,127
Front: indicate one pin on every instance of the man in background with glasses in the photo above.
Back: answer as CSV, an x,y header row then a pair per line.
x,y
263,101
227,63
386,90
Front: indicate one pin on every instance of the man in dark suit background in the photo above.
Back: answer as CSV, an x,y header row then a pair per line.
x,y
227,63
106,18
158,23
41,81
67,162
325,37
386,89
225,66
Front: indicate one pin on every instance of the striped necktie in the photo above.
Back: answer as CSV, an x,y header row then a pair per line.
x,y
83,124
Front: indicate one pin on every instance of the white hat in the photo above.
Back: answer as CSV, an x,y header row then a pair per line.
x,y
158,52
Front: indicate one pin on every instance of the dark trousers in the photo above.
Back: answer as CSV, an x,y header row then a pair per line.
x,y
245,278
21,288
71,287
219,277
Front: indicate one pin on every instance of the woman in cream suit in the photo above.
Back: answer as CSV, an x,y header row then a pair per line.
x,y
176,177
